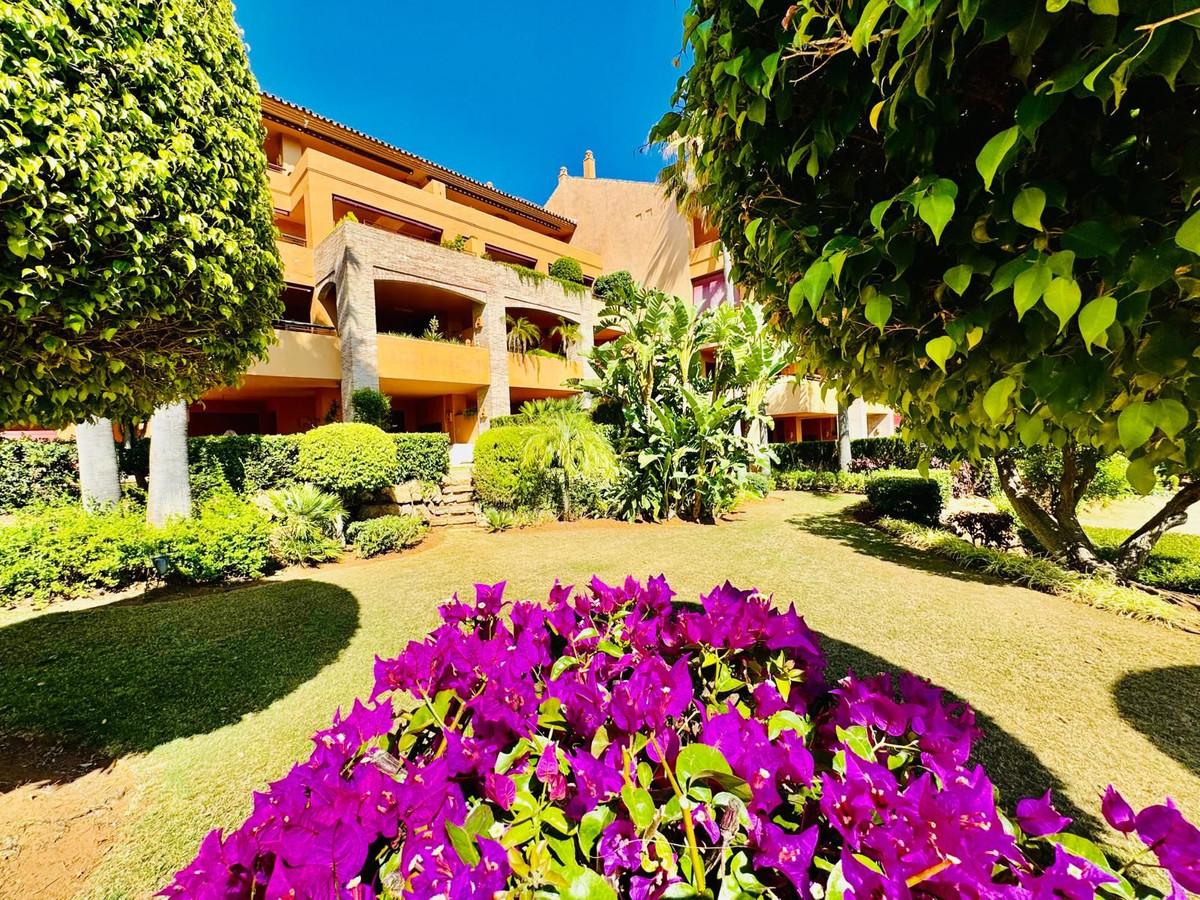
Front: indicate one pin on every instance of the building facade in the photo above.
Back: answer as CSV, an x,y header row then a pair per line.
x,y
633,225
401,276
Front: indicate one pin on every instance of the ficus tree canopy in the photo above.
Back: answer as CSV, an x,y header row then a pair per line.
x,y
982,212
138,264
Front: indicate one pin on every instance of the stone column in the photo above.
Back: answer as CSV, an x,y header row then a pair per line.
x,y
493,335
356,325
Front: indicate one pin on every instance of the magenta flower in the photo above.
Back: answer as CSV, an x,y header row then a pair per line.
x,y
1117,812
1037,816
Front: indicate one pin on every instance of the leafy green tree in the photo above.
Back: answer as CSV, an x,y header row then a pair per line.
x,y
982,212
139,265
565,438
686,390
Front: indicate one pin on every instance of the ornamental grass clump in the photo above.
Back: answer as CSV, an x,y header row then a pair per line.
x,y
617,743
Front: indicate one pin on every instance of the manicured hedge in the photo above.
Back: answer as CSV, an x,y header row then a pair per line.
x,y
878,453
501,479
907,497
350,459
65,552
422,457
386,534
36,473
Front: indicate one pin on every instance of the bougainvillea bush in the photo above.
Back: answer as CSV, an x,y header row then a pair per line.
x,y
615,742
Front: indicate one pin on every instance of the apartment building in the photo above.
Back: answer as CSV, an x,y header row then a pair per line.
x,y
401,275
633,225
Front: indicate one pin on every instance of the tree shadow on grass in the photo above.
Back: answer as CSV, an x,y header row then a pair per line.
x,y
862,538
1012,766
82,687
1164,705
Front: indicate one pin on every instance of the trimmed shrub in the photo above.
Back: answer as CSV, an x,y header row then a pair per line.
x,y
37,473
501,478
887,452
350,459
422,457
821,482
812,455
386,534
758,484
907,497
660,749
272,464
226,540
612,287
567,268
372,407
65,552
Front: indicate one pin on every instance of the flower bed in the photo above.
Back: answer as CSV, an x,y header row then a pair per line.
x,y
615,742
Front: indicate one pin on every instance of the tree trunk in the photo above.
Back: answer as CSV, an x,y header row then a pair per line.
x,y
170,493
845,453
1059,532
1136,549
566,489
99,483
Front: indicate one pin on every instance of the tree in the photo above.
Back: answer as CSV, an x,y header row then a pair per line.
x,y
523,335
99,481
568,334
685,390
170,492
140,264
982,212
565,437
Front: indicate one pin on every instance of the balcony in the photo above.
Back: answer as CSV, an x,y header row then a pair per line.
x,y
531,371
803,397
414,366
297,259
311,355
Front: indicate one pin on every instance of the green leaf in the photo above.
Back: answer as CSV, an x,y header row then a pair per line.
x,y
1029,288
1188,235
958,278
1136,425
1062,298
996,400
1094,320
941,349
879,310
796,297
1032,430
1142,476
1091,239
591,825
752,230
1029,206
463,843
700,761
937,207
1171,415
1105,7
586,884
993,153
816,279
640,805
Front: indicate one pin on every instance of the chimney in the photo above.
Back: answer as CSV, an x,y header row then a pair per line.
x,y
562,173
589,165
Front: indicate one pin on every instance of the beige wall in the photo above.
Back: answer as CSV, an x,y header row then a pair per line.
x,y
631,225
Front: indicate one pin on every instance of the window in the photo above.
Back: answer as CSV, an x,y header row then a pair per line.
x,y
709,291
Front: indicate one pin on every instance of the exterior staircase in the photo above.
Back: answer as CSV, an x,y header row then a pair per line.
x,y
456,506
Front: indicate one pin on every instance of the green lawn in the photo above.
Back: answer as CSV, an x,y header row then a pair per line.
x,y
1174,563
201,699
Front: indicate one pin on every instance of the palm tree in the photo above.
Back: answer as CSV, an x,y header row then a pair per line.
x,y
565,437
99,483
170,492
523,335
568,335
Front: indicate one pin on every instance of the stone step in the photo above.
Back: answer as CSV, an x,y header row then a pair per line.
x,y
462,519
453,509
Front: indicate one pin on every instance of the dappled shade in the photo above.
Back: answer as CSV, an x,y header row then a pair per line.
x,y
1164,705
129,676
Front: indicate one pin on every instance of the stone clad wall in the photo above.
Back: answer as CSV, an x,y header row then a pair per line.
x,y
355,256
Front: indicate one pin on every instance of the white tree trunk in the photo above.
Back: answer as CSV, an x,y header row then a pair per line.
x,y
170,493
845,456
99,483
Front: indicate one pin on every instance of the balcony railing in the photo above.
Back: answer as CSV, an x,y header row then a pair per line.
x,y
292,239
304,327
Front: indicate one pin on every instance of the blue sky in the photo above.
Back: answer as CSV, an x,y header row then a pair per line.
x,y
503,91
